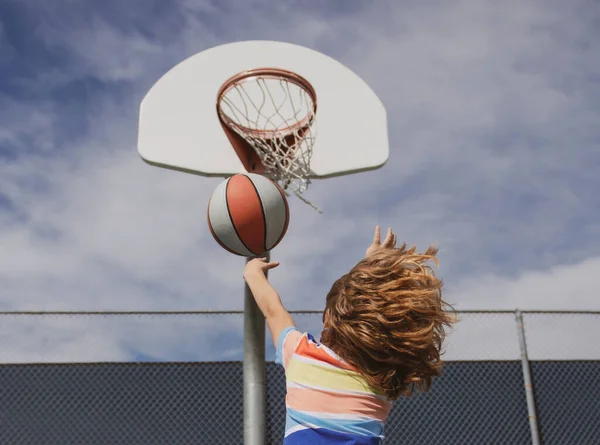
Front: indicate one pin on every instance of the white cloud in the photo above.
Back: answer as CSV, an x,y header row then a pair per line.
x,y
119,338
559,288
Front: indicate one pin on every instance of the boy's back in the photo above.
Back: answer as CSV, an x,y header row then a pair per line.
x,y
328,401
383,328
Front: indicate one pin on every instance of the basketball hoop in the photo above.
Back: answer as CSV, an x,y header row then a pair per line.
x,y
268,115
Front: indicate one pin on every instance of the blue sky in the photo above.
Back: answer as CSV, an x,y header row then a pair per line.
x,y
494,123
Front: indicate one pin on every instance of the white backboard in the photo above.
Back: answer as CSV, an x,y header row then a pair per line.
x,y
179,127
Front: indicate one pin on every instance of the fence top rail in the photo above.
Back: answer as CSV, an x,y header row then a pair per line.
x,y
239,312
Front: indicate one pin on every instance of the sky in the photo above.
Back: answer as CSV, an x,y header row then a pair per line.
x,y
494,123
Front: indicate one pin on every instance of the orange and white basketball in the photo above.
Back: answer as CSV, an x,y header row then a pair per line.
x,y
248,214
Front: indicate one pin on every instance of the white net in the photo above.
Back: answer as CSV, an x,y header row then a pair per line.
x,y
276,116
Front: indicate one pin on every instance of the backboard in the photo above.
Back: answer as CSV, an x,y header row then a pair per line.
x,y
179,127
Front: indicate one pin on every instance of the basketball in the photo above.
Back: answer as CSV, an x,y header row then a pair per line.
x,y
248,214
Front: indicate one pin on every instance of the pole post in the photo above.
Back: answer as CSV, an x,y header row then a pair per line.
x,y
531,410
254,370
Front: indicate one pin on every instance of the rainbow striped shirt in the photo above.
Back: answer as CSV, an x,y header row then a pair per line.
x,y
328,401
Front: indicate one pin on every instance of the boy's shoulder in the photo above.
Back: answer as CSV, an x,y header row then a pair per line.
x,y
288,341
304,346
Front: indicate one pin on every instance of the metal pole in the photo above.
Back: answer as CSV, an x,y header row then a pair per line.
x,y
254,370
535,435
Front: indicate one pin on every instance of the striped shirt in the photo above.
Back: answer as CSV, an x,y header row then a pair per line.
x,y
327,401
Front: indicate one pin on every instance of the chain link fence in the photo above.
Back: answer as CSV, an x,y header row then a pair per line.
x,y
177,379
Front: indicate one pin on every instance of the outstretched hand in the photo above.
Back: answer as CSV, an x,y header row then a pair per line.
x,y
258,266
388,243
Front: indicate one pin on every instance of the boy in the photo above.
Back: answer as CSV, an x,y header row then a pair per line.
x,y
383,331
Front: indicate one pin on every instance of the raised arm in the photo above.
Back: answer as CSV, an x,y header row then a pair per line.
x,y
388,243
266,297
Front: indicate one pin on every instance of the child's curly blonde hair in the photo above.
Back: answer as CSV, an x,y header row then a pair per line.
x,y
386,317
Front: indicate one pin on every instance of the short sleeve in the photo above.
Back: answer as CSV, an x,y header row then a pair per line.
x,y
286,345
